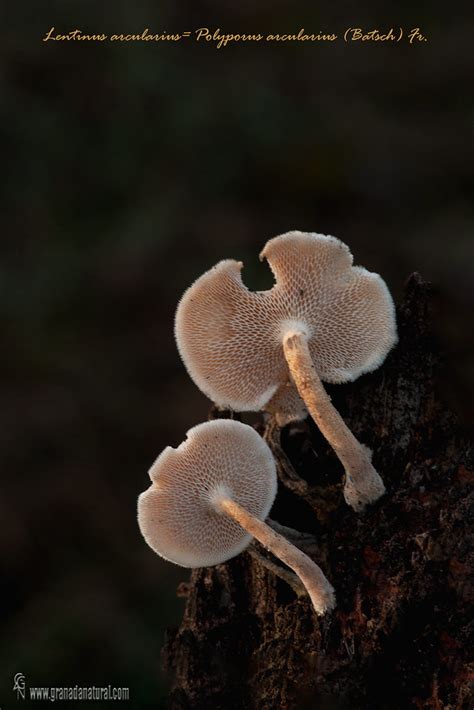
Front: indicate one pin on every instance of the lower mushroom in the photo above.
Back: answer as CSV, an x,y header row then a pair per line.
x,y
210,497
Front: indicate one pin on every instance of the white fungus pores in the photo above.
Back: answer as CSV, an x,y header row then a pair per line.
x,y
176,514
230,339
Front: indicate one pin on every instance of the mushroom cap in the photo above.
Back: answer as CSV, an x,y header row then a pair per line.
x,y
286,405
230,339
178,516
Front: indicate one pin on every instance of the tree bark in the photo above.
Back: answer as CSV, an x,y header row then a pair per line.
x,y
402,632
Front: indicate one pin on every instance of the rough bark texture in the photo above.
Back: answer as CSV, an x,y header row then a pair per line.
x,y
402,632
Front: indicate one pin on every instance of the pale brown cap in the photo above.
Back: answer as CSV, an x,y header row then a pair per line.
x,y
230,339
286,405
178,515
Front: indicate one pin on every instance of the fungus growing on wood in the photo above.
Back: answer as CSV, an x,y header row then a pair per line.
x,y
323,320
210,497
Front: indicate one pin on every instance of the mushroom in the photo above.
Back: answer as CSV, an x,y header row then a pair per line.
x,y
323,320
210,497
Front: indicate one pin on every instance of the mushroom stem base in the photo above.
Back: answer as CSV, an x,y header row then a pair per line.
x,y
363,484
319,589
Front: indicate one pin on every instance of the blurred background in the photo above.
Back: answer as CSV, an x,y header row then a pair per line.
x,y
129,169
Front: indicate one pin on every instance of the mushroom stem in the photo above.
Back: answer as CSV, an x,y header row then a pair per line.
x,y
319,589
363,484
289,577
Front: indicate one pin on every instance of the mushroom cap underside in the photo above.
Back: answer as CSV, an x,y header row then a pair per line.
x,y
230,339
177,515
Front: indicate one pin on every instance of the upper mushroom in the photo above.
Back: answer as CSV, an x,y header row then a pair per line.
x,y
323,320
230,338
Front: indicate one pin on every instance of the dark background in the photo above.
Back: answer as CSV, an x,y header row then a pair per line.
x,y
128,170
